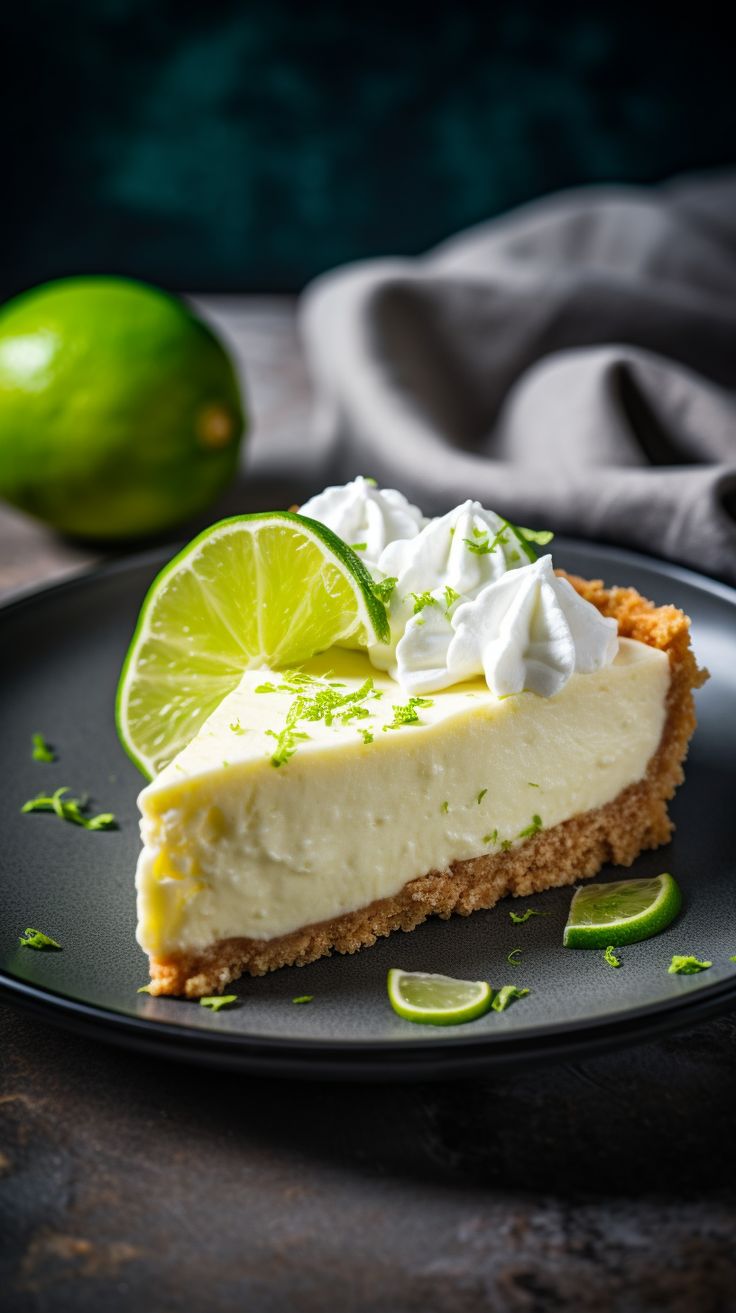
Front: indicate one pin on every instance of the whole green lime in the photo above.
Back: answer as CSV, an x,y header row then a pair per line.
x,y
120,412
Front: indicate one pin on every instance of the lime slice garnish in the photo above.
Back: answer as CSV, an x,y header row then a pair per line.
x,y
437,1000
621,913
254,590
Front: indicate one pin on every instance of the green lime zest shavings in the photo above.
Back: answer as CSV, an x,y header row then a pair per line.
x,y
686,965
513,957
236,727
366,735
144,989
519,918
732,959
383,589
37,939
69,809
491,838
533,828
303,998
483,548
423,599
315,700
539,536
506,996
217,1001
41,750
532,785
445,807
505,845
451,597
408,715
359,547
481,796
287,742
610,957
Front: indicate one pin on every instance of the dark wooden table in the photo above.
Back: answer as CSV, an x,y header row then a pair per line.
x,y
128,1183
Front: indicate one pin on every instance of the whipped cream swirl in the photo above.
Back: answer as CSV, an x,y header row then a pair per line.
x,y
366,517
467,600
527,631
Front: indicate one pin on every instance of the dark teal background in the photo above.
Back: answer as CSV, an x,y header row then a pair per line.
x,y
242,146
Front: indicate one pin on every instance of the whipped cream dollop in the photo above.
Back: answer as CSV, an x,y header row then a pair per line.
x,y
449,561
366,517
468,596
527,631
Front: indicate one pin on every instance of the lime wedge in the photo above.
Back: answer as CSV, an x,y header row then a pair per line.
x,y
254,590
621,913
437,1000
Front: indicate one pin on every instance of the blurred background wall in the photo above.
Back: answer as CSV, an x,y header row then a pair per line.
x,y
236,146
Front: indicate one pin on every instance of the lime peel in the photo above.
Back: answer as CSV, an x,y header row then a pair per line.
x,y
622,912
267,589
437,1000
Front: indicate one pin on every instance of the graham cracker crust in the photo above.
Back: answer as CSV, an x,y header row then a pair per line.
x,y
635,820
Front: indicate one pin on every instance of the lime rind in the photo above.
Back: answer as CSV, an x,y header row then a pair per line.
x,y
175,673
596,920
437,1000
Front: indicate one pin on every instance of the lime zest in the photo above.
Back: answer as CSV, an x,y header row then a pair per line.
x,y
513,957
423,599
505,997
69,809
383,588
41,750
216,1001
683,964
322,702
366,735
539,536
480,796
491,838
520,918
533,828
408,715
483,548
144,989
610,956
303,998
37,939
287,742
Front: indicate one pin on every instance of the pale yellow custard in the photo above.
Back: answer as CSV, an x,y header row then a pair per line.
x,y
236,846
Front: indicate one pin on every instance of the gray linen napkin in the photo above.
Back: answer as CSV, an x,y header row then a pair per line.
x,y
571,365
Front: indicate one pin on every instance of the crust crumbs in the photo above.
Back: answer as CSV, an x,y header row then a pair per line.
x,y
576,849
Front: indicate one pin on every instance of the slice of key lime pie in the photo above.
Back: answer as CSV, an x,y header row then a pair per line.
x,y
356,718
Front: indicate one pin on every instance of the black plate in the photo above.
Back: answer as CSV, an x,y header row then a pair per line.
x,y
60,653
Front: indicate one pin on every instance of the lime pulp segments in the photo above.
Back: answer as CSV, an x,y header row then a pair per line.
x,y
437,1000
256,590
622,912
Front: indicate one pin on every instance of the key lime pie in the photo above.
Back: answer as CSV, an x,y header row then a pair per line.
x,y
355,718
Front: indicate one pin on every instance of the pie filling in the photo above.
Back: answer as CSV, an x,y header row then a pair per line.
x,y
259,828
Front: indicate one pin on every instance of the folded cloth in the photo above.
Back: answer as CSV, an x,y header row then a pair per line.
x,y
571,365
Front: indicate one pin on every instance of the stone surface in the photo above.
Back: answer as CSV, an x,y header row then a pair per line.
x,y
132,1183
